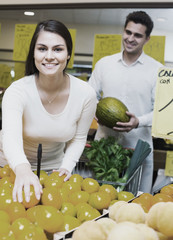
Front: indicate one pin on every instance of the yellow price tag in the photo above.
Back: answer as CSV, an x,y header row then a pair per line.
x,y
22,39
163,107
104,45
155,48
73,36
5,76
169,164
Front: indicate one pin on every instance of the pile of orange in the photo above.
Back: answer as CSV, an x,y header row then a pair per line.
x,y
146,200
63,205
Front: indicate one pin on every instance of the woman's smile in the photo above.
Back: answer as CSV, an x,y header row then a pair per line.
x,y
50,65
50,53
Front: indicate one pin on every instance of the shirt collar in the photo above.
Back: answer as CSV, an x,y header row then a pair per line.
x,y
140,59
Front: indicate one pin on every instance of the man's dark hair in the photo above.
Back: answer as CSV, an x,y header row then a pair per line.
x,y
142,18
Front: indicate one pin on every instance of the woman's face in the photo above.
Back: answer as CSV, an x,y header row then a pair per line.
x,y
50,53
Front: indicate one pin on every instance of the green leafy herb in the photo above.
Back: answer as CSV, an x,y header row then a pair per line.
x,y
107,158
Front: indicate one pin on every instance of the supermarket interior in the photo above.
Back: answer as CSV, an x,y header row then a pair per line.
x,y
87,19
96,28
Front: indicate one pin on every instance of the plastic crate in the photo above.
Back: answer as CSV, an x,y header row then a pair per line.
x,y
132,185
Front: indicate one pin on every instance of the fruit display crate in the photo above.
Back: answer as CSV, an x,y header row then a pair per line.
x,y
68,235
132,185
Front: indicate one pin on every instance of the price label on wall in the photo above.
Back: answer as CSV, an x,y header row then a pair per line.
x,y
5,76
169,164
73,36
22,39
162,126
155,48
104,45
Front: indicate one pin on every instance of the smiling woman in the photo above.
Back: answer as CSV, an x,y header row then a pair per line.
x,y
51,60
48,107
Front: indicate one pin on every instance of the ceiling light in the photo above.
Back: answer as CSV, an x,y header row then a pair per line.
x,y
29,13
161,19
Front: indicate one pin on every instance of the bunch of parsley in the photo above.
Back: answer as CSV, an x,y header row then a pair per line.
x,y
107,159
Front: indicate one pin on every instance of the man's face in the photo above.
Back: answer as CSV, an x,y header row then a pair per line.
x,y
134,38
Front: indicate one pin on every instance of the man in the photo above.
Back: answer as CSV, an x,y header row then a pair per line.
x,y
131,77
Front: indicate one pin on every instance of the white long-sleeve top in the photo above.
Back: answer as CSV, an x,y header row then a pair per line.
x,y
134,85
26,123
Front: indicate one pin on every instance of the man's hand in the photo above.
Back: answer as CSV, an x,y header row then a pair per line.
x,y
127,126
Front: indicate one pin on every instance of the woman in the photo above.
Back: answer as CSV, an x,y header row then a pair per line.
x,y
48,107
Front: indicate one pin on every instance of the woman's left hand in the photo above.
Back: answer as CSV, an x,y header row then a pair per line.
x,y
63,171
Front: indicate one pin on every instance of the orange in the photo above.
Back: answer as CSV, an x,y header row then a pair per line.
x,y
54,180
100,200
70,223
125,196
7,166
79,197
5,201
49,182
55,175
145,200
147,196
161,197
32,233
9,236
43,176
90,185
31,213
76,178
143,204
167,190
64,194
109,189
51,197
114,201
6,181
68,208
16,210
49,218
4,172
33,200
4,216
71,187
5,189
20,225
87,214
82,206
5,227
12,176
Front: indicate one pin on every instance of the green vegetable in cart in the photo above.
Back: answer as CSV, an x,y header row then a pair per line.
x,y
110,111
107,159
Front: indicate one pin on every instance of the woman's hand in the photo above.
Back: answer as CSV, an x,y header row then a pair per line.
x,y
24,178
127,126
63,171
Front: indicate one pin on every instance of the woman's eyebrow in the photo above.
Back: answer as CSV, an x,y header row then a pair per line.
x,y
58,45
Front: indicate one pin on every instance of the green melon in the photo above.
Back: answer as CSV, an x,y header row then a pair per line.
x,y
110,111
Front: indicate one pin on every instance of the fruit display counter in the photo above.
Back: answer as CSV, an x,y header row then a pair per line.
x,y
68,208
63,205
146,217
